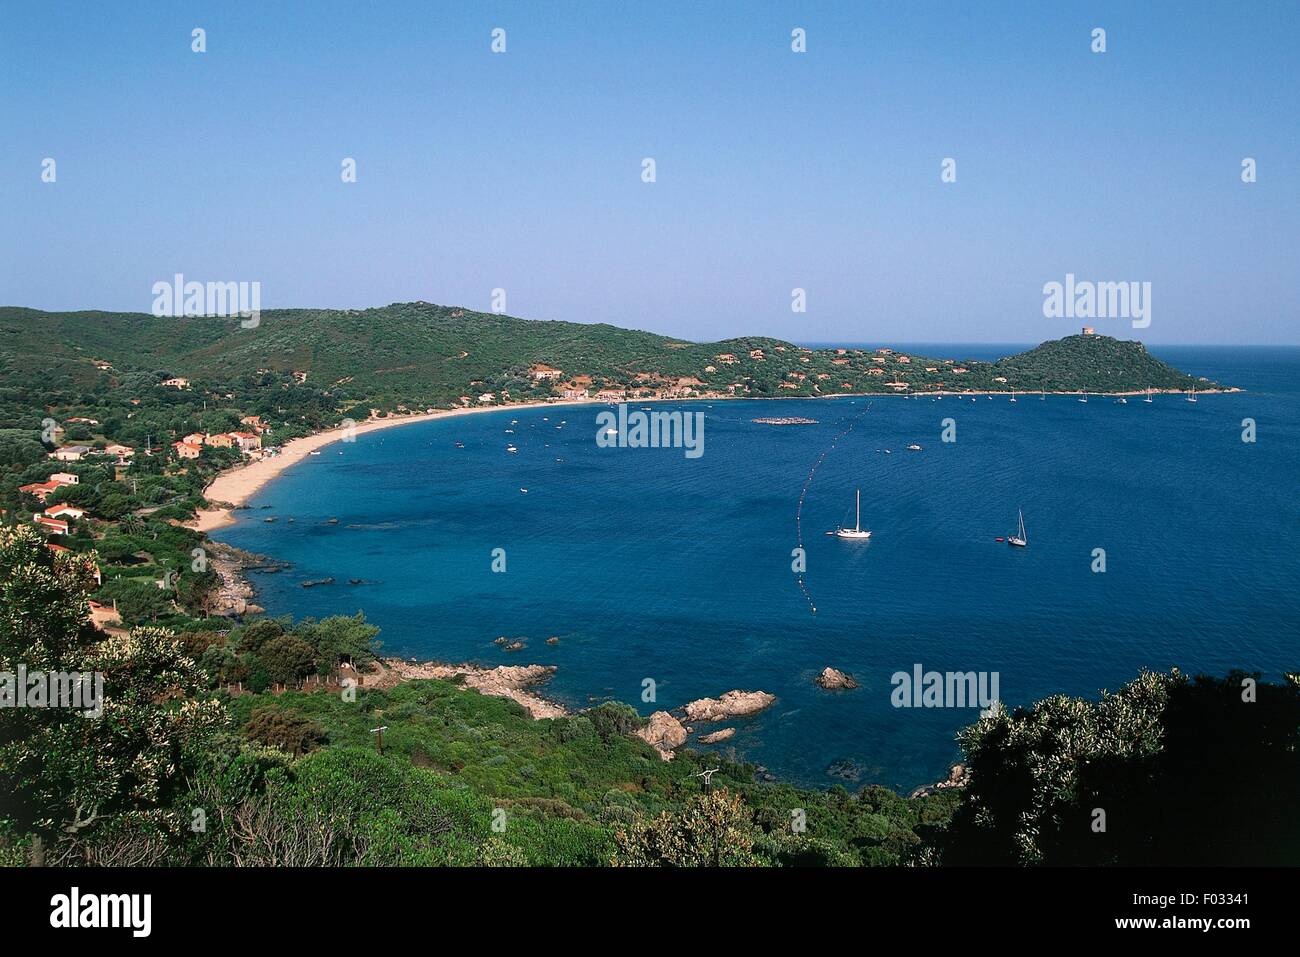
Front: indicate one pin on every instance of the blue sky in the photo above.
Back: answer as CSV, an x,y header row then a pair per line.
x,y
775,170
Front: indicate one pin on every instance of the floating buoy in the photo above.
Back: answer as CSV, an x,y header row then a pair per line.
x,y
999,539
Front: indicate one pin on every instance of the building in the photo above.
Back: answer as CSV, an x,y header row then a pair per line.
x,y
187,450
545,373
53,526
255,423
246,441
176,383
1089,331
221,440
39,489
194,438
71,453
575,393
121,451
65,512
486,397
64,478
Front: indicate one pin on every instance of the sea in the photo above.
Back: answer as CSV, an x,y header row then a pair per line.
x,y
1160,535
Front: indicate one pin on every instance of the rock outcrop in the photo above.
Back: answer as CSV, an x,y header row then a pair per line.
x,y
733,704
716,736
833,680
507,681
663,733
958,777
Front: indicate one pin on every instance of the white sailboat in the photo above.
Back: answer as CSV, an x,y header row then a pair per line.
x,y
1192,397
1019,539
857,531
1148,400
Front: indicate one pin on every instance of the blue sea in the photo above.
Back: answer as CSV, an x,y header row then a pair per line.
x,y
650,565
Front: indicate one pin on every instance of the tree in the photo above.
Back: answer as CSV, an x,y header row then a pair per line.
x,y
714,830
67,769
287,659
285,729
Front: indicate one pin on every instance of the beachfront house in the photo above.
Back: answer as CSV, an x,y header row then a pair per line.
x,y
187,450
220,440
246,441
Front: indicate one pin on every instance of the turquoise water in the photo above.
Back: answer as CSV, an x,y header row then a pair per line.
x,y
647,564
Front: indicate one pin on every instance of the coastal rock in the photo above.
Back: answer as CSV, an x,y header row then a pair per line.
x,y
716,736
733,704
958,777
505,681
663,733
833,680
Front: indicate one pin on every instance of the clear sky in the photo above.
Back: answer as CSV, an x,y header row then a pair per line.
x,y
775,170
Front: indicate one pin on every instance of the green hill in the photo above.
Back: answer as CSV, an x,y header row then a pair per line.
x,y
419,354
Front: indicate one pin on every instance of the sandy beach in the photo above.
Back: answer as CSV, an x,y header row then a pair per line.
x,y
236,486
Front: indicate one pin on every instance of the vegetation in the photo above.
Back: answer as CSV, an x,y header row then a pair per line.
x,y
227,741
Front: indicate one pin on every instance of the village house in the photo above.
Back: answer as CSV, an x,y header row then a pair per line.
x,y
757,354
221,440
64,478
575,393
65,512
194,438
545,373
726,359
121,451
71,453
255,423
82,420
959,369
246,441
52,525
38,489
906,359
299,376
486,397
876,371
187,450
176,383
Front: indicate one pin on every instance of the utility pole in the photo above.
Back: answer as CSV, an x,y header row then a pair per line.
x,y
379,737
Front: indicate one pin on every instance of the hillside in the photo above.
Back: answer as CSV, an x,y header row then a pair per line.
x,y
419,354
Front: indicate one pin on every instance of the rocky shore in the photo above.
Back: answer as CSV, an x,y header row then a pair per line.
x,y
504,681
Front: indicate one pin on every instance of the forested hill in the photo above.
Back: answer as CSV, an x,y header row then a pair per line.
x,y
419,354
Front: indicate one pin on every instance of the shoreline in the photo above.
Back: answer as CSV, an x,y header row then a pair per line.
x,y
235,486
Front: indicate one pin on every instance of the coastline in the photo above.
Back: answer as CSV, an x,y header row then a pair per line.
x,y
234,487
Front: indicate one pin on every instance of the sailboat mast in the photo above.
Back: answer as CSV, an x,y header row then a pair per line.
x,y
857,524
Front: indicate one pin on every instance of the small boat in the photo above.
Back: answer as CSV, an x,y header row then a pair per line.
x,y
524,490
1019,539
914,448
1013,397
1192,397
1148,399
1121,401
1083,399
857,531
460,445
511,449
510,431
313,453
